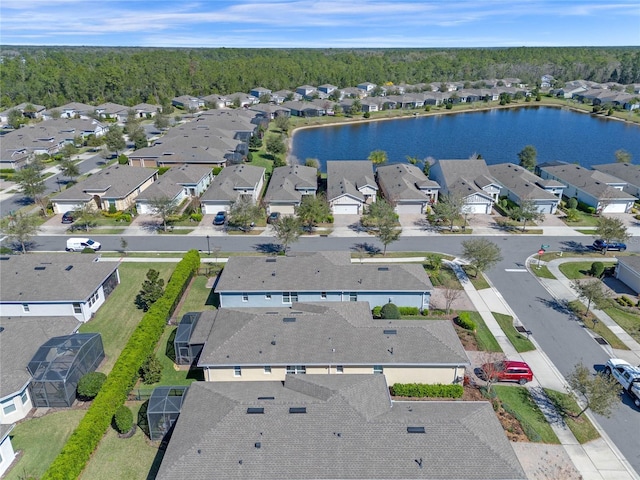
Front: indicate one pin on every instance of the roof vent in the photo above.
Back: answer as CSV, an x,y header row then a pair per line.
x,y
390,332
4,258
266,398
39,268
257,445
415,430
383,269
289,319
69,267
297,409
253,410
270,260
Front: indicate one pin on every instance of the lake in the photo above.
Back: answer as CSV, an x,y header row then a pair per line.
x,y
498,135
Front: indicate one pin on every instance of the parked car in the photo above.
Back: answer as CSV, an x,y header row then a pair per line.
x,y
603,245
220,218
273,217
508,370
627,375
68,217
79,244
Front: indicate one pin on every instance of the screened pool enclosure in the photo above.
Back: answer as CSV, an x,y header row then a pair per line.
x,y
59,364
164,409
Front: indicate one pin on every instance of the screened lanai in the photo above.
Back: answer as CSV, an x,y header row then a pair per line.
x,y
59,364
164,409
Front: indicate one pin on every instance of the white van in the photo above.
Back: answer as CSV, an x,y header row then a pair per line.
x,y
79,244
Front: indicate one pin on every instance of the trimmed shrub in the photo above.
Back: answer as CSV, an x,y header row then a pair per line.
x,y
123,160
216,170
83,441
90,384
123,419
597,269
572,203
112,208
196,217
390,311
409,310
151,371
366,115
464,320
163,170
377,312
427,390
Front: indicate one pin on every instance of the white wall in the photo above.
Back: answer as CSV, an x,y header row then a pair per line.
x,y
22,408
7,454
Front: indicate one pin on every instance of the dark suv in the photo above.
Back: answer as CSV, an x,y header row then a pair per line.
x,y
67,217
603,245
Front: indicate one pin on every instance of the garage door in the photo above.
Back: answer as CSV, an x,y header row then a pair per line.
x,y
615,208
345,210
415,208
212,209
477,208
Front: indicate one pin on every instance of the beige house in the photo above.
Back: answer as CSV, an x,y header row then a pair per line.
x,y
266,344
351,186
117,185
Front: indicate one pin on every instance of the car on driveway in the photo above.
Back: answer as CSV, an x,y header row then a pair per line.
x,y
273,217
68,217
603,245
220,218
507,371
627,375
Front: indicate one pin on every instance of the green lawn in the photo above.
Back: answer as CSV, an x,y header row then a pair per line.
x,y
486,341
601,329
518,402
119,316
198,297
577,270
479,282
581,427
131,458
584,220
630,322
542,271
40,440
520,342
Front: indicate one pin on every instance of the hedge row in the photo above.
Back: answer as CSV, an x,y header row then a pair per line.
x,y
464,320
409,310
78,449
427,390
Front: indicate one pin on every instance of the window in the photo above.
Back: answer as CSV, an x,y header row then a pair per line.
x,y
245,297
353,297
377,369
289,297
24,397
93,298
77,308
267,369
8,407
296,369
25,307
267,296
237,371
323,295
339,369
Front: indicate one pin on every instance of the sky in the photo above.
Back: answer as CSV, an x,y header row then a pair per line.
x,y
321,23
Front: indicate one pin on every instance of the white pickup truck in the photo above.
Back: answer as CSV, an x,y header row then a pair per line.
x,y
627,375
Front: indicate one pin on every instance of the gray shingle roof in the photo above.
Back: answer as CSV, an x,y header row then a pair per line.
x,y
287,182
465,177
244,336
403,181
20,339
335,439
225,185
625,172
171,183
116,181
347,177
54,280
594,182
521,182
320,271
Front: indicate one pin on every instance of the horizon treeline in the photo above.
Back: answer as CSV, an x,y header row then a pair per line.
x,y
53,76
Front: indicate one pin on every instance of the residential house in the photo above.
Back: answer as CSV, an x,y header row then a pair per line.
x,y
547,81
232,183
21,337
352,92
28,110
625,172
287,187
599,190
306,91
336,426
305,109
407,188
519,184
187,102
72,110
241,99
116,185
7,454
112,111
146,110
320,277
260,92
628,272
266,344
68,285
170,151
282,96
366,87
178,184
469,179
372,104
351,186
217,101
327,88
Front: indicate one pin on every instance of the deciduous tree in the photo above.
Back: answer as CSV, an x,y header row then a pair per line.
x,y
287,230
527,211
481,253
600,392
163,207
622,156
528,157
611,229
244,213
31,182
275,145
313,210
69,168
448,209
114,140
21,228
382,219
378,157
591,291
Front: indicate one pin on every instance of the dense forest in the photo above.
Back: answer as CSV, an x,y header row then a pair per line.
x,y
52,76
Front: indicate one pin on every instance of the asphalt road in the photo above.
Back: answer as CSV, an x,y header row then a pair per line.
x,y
561,337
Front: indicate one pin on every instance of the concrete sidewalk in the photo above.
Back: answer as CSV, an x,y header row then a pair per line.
x,y
596,460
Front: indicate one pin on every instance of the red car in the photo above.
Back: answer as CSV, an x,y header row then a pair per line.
x,y
508,370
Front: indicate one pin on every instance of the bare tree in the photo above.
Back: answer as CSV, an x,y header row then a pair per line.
x,y
590,290
163,207
492,363
451,292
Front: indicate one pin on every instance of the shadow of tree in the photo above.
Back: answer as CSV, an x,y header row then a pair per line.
x,y
554,415
366,248
561,306
268,248
573,246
